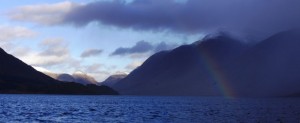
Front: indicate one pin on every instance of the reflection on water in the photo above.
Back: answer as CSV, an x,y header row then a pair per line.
x,y
62,108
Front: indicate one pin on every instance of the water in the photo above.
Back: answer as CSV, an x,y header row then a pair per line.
x,y
65,108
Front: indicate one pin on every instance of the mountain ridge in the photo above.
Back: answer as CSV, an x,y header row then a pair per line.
x,y
168,66
201,69
18,77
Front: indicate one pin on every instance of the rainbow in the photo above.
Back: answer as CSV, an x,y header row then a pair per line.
x,y
217,75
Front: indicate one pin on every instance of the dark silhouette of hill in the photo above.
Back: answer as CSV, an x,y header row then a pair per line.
x,y
271,67
18,77
219,64
182,71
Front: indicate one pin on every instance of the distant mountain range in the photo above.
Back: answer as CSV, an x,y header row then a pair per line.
x,y
78,77
221,65
18,77
83,78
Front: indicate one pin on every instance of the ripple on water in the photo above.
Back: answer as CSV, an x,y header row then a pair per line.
x,y
61,108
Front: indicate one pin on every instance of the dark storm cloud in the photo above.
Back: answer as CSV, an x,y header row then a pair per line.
x,y
192,16
91,52
143,47
139,47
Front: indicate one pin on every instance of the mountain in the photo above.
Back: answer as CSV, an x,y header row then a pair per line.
x,y
83,78
65,77
12,67
78,77
271,67
184,70
221,66
113,79
18,77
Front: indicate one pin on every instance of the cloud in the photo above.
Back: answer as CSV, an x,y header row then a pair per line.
x,y
55,52
44,14
141,48
96,70
91,52
191,16
10,33
54,55
248,18
54,47
41,69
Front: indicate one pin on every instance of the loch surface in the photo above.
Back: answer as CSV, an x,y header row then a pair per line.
x,y
137,109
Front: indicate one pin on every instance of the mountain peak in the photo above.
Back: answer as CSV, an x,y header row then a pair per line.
x,y
79,73
83,78
217,34
219,39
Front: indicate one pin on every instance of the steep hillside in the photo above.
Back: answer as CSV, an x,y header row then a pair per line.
x,y
18,77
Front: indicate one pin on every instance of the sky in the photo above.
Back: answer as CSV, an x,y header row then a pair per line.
x,y
31,30
104,37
